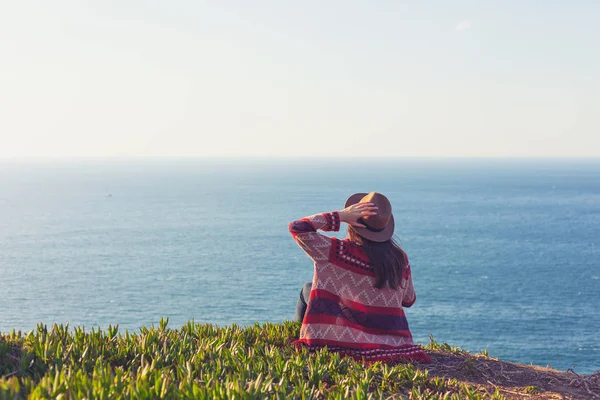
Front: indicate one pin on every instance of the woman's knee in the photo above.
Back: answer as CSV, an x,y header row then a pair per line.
x,y
306,288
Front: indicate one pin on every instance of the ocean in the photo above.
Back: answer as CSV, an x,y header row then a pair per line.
x,y
505,253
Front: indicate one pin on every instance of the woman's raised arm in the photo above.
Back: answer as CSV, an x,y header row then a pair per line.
x,y
316,245
305,233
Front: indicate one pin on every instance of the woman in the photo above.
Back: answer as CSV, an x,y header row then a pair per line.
x,y
354,304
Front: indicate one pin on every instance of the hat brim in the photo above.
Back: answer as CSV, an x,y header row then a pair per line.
x,y
382,236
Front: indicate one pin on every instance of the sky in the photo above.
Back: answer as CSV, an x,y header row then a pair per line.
x,y
322,78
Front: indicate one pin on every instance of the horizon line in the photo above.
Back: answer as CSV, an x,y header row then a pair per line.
x,y
287,157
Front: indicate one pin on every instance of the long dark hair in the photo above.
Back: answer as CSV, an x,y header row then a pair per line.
x,y
387,258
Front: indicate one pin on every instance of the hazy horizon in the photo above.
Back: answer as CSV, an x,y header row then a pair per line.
x,y
275,158
268,79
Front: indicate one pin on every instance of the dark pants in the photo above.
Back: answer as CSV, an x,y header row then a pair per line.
x,y
302,301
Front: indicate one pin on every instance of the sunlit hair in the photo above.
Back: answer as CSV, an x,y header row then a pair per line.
x,y
388,259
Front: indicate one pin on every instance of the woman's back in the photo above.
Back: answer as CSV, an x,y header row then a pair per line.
x,y
345,310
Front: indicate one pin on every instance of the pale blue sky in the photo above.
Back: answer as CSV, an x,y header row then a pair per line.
x,y
316,78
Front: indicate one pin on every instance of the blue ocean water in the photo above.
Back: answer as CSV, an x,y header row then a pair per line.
x,y
505,253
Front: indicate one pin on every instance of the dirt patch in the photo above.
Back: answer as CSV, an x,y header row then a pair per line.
x,y
514,381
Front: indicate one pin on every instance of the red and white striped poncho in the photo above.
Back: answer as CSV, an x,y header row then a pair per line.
x,y
345,311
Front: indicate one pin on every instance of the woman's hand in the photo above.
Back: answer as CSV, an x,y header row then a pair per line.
x,y
353,213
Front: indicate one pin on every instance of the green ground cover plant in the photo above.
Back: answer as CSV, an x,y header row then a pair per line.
x,y
202,361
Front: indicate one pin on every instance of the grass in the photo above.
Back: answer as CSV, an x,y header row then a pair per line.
x,y
202,361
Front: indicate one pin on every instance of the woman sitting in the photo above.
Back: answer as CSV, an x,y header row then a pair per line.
x,y
354,305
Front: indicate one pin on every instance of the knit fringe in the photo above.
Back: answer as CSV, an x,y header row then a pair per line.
x,y
412,354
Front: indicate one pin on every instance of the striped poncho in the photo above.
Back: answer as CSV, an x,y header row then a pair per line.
x,y
345,311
